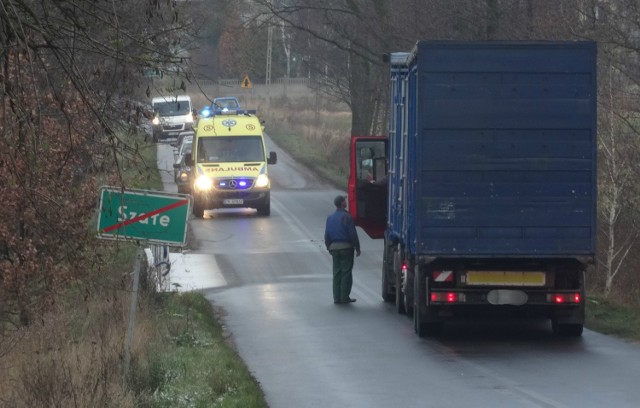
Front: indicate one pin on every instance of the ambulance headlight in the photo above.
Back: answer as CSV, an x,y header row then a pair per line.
x,y
262,180
155,120
203,183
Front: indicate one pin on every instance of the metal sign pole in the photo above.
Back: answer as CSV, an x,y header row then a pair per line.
x,y
132,313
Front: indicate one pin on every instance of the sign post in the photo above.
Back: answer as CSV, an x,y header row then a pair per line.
x,y
141,215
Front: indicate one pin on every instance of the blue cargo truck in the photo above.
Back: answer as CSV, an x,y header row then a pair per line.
x,y
484,190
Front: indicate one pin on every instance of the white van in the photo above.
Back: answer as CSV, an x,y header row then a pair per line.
x,y
171,116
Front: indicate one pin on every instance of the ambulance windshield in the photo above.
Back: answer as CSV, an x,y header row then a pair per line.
x,y
224,149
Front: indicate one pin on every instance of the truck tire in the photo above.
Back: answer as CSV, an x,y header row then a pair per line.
x,y
388,294
198,208
397,272
409,281
422,325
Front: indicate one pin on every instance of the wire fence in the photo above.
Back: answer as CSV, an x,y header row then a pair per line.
x,y
158,267
237,82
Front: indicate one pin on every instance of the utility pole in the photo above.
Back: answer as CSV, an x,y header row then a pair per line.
x,y
267,80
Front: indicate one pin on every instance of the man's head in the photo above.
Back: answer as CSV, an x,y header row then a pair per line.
x,y
340,201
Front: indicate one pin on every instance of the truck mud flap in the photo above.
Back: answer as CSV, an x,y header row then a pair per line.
x,y
425,321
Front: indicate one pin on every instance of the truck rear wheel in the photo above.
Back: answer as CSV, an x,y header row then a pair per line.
x,y
387,267
408,279
397,271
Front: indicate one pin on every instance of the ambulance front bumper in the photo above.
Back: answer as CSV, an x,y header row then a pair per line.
x,y
233,199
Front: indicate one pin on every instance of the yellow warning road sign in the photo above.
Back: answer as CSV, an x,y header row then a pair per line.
x,y
246,82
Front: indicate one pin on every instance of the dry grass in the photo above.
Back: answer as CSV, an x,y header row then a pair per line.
x,y
316,134
71,357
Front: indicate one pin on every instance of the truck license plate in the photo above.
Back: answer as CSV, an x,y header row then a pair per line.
x,y
232,201
505,278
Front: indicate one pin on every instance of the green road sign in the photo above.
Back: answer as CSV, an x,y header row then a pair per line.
x,y
152,216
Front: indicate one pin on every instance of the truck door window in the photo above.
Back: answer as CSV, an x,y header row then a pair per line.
x,y
370,193
372,163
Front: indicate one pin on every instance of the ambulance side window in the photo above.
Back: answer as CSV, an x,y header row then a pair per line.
x,y
202,152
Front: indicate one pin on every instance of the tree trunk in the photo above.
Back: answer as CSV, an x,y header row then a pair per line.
x,y
611,250
493,19
364,94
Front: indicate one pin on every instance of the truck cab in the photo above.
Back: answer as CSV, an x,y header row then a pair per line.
x,y
229,164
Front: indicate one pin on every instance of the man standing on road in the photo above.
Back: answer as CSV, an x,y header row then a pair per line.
x,y
341,239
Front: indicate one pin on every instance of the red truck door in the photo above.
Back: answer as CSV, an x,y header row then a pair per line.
x,y
368,187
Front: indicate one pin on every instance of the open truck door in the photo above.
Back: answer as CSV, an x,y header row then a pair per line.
x,y
368,186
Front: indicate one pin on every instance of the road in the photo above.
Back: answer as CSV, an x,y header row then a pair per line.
x,y
272,276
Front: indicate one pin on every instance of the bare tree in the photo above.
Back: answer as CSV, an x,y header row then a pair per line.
x,y
66,68
619,149
615,25
344,49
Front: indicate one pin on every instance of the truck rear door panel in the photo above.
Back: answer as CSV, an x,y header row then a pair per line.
x,y
506,149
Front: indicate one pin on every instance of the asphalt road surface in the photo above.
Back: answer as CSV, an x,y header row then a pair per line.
x,y
272,276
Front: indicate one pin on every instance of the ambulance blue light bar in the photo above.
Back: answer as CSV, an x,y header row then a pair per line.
x,y
235,112
205,112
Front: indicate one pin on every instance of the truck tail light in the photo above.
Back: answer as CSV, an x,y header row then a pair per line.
x,y
564,298
447,297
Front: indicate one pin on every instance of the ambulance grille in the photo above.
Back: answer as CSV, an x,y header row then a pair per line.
x,y
234,183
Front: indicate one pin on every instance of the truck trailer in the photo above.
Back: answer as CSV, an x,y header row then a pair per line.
x,y
484,190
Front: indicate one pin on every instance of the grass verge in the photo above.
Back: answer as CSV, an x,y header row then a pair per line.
x,y
306,153
607,317
319,139
192,364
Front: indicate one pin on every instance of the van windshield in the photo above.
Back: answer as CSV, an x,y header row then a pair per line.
x,y
230,149
172,108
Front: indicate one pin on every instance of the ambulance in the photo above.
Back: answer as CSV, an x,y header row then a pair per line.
x,y
229,163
